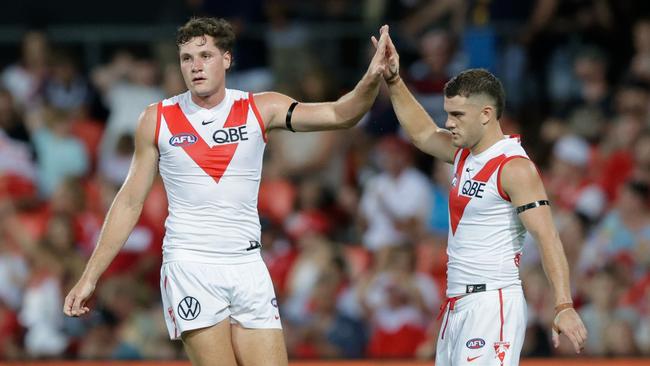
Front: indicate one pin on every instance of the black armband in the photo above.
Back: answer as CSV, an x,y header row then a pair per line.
x,y
289,113
528,206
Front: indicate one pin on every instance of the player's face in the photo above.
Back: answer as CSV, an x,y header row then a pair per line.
x,y
465,121
203,66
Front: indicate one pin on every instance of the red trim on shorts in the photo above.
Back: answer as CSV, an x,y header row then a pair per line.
x,y
257,115
451,302
502,193
501,311
170,311
158,114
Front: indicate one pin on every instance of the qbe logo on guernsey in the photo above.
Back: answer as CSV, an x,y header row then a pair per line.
x,y
189,308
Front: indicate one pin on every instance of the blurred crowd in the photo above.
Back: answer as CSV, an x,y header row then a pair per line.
x,y
354,223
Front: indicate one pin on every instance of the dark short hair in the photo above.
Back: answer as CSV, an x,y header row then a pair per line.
x,y
477,81
217,28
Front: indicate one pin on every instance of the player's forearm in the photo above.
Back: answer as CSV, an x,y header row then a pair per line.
x,y
119,223
415,120
556,267
352,106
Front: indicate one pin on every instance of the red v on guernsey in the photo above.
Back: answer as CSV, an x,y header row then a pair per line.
x,y
213,160
457,202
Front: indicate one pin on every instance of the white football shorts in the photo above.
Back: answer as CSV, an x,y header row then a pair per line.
x,y
484,328
200,295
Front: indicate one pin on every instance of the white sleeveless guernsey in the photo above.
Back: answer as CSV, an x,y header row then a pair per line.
x,y
211,164
485,234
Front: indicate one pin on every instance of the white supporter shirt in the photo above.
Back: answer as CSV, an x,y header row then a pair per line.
x,y
408,195
485,234
211,164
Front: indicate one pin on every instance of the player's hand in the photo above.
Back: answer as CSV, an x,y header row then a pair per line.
x,y
75,302
568,323
379,62
391,71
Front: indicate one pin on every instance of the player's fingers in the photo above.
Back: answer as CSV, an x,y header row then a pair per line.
x,y
394,57
77,305
73,306
382,41
380,46
577,345
556,338
383,29
580,341
390,43
67,305
583,332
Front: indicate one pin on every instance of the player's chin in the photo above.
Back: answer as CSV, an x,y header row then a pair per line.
x,y
200,91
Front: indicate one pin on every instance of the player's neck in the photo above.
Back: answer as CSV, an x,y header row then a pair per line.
x,y
209,101
491,137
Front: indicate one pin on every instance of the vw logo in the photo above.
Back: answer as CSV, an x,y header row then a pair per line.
x,y
189,308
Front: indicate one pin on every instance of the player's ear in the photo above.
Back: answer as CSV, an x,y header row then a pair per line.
x,y
227,60
487,113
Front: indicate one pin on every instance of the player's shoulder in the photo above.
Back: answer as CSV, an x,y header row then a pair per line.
x,y
149,118
149,113
519,170
237,93
271,105
512,146
270,98
175,99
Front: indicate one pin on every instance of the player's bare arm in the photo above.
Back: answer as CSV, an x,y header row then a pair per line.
x,y
122,216
522,183
343,113
419,126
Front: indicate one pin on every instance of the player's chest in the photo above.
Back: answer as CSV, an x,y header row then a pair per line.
x,y
474,186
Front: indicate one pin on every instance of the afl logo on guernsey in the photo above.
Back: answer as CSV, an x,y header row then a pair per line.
x,y
183,139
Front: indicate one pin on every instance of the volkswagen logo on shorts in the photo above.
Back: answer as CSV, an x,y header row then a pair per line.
x,y
189,308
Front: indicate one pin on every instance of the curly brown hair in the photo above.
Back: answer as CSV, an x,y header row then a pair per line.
x,y
217,28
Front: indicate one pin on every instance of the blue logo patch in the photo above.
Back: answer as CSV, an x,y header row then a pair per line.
x,y
183,139
475,343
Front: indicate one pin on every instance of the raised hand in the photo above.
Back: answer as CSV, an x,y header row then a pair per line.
x,y
379,62
75,302
391,57
568,322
